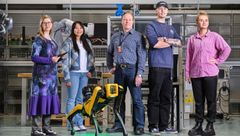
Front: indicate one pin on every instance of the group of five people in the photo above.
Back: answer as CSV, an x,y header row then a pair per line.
x,y
126,58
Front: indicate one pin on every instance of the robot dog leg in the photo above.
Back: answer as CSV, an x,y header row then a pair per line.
x,y
77,109
117,105
88,109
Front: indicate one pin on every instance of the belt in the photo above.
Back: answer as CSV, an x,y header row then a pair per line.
x,y
122,66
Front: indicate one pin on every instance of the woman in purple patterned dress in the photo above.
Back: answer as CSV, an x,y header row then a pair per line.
x,y
44,99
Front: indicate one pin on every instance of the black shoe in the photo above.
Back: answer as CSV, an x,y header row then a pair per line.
x,y
196,130
209,130
37,133
50,132
139,131
168,131
154,131
114,129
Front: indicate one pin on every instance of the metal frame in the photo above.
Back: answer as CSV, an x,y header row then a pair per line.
x,y
137,18
122,2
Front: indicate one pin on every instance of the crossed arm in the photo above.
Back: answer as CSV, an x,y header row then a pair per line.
x,y
164,42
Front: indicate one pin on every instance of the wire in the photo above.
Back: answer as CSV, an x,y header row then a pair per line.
x,y
221,99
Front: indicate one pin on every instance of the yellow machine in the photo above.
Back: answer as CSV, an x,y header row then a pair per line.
x,y
96,99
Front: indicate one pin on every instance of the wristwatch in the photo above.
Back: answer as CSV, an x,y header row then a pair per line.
x,y
139,75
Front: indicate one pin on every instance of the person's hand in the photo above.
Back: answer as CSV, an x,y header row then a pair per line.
x,y
138,80
89,74
55,59
112,70
174,42
163,39
68,84
212,61
188,80
162,43
170,41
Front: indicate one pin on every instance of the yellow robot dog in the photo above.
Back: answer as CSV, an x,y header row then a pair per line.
x,y
97,99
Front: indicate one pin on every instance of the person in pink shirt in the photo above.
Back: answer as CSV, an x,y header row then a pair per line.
x,y
205,51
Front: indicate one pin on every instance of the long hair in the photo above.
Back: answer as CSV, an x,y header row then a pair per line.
x,y
41,32
83,38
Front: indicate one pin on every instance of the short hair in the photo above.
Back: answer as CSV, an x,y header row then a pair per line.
x,y
40,24
200,13
127,12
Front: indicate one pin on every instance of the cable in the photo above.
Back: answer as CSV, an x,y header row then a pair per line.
x,y
221,99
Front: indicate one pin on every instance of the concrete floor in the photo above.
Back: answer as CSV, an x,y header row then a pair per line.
x,y
10,126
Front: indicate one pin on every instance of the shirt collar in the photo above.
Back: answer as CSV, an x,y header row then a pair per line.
x,y
130,32
197,35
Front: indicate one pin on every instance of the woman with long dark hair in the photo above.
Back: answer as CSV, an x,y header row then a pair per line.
x,y
78,66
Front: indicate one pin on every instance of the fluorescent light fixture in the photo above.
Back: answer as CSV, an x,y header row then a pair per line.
x,y
84,6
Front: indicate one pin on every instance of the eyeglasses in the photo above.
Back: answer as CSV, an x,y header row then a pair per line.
x,y
46,23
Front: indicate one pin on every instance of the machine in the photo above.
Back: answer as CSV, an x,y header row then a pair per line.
x,y
6,23
96,98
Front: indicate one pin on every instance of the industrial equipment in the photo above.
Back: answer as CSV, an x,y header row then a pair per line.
x,y
96,99
6,23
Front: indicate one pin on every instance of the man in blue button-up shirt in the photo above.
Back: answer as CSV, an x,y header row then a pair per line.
x,y
126,57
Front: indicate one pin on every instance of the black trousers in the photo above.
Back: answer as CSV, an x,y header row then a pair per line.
x,y
159,98
41,121
205,88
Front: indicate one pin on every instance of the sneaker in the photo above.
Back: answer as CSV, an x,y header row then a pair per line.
x,y
49,132
37,133
82,128
76,128
169,131
154,131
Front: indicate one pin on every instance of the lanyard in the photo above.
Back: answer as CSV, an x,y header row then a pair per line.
x,y
122,40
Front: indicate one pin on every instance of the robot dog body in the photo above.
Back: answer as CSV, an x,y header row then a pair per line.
x,y
97,99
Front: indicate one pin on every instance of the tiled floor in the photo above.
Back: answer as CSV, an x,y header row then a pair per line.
x,y
10,126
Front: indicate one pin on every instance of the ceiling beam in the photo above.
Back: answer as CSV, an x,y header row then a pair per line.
x,y
118,1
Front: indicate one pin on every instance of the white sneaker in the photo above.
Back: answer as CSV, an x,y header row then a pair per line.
x,y
82,128
76,128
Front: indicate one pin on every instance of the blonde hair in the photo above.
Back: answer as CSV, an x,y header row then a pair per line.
x,y
40,24
128,12
200,14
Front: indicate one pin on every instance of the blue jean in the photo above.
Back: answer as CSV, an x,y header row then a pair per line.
x,y
126,78
79,81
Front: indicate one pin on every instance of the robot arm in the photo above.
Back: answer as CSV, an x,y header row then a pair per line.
x,y
62,30
6,23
